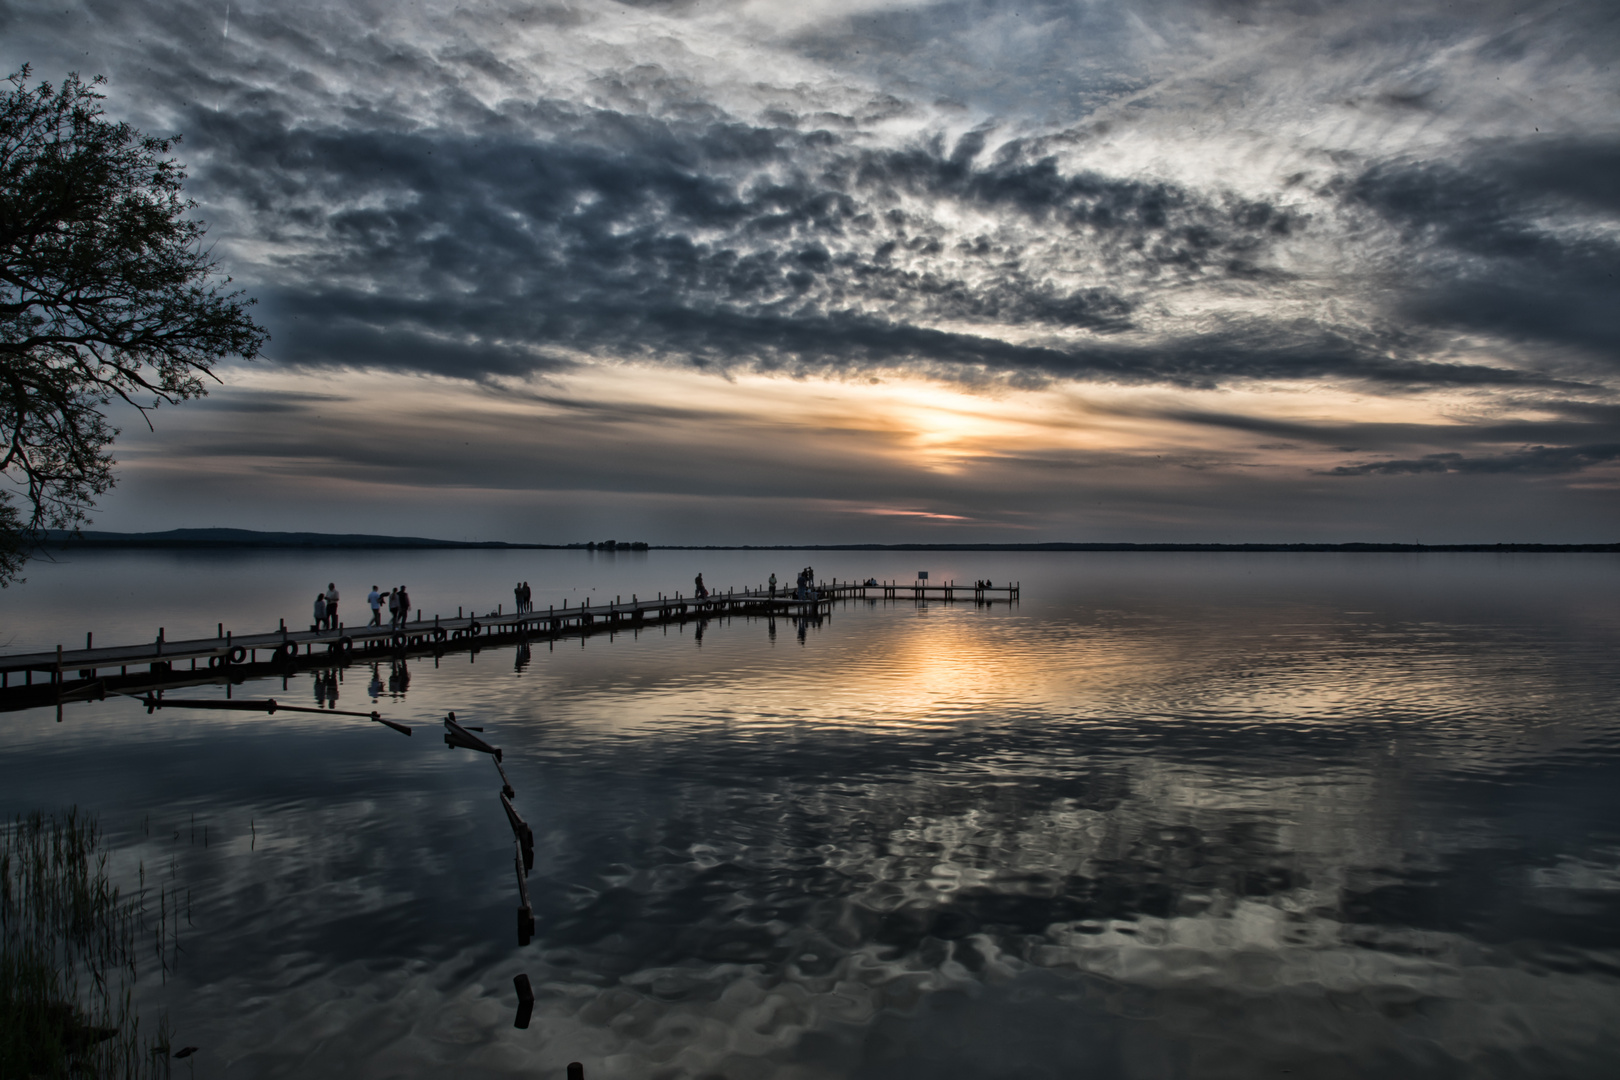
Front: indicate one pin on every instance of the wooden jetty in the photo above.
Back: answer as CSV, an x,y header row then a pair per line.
x,y
29,680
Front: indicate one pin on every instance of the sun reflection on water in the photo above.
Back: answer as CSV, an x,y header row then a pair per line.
x,y
1151,822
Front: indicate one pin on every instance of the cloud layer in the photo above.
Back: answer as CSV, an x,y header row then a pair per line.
x,y
1398,202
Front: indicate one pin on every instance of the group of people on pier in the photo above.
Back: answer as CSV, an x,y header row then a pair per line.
x,y
398,602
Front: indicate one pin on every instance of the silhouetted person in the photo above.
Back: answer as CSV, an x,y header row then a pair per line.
x,y
320,611
528,597
773,586
331,605
517,598
702,592
374,598
404,607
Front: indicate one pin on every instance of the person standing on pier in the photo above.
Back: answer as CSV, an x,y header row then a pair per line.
x,y
773,586
393,606
700,590
320,612
374,598
517,598
528,597
331,605
404,607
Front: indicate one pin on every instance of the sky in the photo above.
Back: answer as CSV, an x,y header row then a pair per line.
x,y
833,271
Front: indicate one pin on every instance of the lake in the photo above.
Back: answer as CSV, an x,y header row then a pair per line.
x,y
1171,815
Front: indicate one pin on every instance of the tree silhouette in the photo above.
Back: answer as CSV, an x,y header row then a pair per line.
x,y
106,294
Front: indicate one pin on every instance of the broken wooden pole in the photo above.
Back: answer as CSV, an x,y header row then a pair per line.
x,y
525,915
521,830
456,735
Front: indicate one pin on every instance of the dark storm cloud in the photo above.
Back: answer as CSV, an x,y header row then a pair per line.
x,y
1573,423
672,241
1517,239
728,245
1534,459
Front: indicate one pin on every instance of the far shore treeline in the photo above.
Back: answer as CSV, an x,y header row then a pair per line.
x,y
248,538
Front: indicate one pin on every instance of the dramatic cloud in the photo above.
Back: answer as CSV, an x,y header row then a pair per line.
x,y
1535,459
1409,213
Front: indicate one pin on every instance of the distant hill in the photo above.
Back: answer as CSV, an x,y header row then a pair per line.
x,y
248,538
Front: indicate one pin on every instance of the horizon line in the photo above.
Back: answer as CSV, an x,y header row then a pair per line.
x,y
222,537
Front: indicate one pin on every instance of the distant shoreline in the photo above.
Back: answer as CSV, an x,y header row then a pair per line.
x,y
250,539
56,540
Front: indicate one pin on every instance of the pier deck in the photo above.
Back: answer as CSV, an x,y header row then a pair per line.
x,y
76,674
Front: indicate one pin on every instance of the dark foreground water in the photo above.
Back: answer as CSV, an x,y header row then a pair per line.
x,y
1201,816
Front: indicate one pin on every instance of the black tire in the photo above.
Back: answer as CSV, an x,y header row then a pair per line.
x,y
439,634
287,652
238,654
473,628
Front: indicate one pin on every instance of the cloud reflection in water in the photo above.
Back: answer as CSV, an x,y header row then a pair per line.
x,y
1170,816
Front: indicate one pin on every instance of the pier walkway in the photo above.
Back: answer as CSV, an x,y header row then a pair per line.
x,y
78,674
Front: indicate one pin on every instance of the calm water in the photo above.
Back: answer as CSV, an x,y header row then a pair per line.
x,y
1202,816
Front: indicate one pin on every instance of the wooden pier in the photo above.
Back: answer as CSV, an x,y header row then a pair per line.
x,y
30,680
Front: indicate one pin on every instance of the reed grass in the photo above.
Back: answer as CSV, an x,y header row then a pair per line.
x,y
72,946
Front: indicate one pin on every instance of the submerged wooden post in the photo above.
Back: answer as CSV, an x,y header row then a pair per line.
x,y
525,994
576,1071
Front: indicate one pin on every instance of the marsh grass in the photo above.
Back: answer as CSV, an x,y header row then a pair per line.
x,y
72,946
